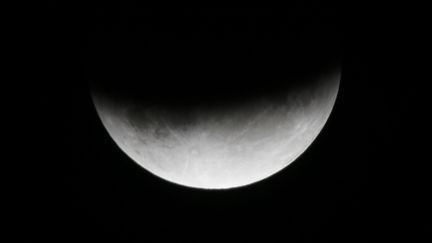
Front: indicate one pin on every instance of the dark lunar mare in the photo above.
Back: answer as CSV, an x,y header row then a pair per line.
x,y
160,120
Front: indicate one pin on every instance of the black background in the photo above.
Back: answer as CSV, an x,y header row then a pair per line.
x,y
335,191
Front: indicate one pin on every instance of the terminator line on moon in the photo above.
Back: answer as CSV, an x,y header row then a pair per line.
x,y
233,148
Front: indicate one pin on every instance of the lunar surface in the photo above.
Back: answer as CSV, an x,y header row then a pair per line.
x,y
231,147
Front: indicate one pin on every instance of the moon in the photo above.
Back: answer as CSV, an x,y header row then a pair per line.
x,y
221,148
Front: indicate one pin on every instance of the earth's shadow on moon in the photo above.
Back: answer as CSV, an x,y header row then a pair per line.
x,y
165,89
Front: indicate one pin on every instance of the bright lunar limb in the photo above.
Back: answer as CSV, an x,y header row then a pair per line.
x,y
226,149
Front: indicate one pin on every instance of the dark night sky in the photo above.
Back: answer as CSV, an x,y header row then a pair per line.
x,y
328,194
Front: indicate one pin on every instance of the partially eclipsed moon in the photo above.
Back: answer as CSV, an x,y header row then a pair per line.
x,y
216,150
